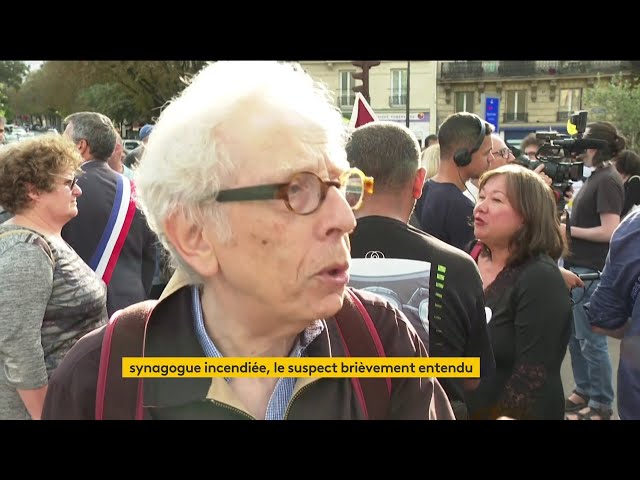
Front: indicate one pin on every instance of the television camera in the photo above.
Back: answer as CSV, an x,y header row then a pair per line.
x,y
558,153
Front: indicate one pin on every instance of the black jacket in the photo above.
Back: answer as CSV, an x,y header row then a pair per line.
x,y
133,275
170,332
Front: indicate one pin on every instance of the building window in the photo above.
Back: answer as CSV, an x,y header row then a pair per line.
x,y
464,102
398,88
570,101
347,97
515,109
490,67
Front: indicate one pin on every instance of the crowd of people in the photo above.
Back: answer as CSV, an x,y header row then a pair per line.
x,y
226,235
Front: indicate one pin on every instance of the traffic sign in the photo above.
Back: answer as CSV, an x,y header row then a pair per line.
x,y
492,112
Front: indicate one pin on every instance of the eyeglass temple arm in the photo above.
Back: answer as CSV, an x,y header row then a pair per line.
x,y
368,184
262,192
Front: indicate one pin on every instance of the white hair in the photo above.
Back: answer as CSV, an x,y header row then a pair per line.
x,y
188,159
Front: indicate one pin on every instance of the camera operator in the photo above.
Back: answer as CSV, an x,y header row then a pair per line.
x,y
530,145
595,215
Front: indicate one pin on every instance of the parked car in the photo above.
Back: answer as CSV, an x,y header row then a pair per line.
x,y
130,144
15,134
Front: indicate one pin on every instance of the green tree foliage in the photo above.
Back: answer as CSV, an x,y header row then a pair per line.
x,y
123,90
12,74
111,99
617,101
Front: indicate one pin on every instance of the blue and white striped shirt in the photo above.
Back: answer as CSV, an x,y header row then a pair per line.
x,y
283,391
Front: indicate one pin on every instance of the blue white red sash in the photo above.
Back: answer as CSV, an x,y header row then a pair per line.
x,y
115,232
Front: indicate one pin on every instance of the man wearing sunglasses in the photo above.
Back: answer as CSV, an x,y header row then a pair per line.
x,y
245,181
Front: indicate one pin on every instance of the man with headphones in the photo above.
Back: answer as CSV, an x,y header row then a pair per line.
x,y
465,152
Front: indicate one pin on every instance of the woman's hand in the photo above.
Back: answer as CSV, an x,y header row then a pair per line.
x,y
571,280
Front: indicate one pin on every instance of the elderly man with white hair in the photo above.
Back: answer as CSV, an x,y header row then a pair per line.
x,y
245,181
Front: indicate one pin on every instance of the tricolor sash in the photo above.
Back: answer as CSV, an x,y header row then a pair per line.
x,y
115,232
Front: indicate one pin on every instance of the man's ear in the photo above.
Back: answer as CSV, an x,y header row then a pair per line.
x,y
418,182
192,244
83,148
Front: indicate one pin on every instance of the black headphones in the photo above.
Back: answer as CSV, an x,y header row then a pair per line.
x,y
462,157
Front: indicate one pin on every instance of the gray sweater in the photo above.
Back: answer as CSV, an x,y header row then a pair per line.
x,y
45,308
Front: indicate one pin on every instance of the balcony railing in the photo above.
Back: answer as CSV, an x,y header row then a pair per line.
x,y
476,70
516,117
397,100
346,100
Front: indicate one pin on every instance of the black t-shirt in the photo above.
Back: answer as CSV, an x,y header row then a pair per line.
x,y
601,193
456,315
529,329
445,213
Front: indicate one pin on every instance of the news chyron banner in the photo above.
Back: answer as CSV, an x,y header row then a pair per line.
x,y
404,283
404,367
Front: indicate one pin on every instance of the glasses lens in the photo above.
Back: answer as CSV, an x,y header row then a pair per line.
x,y
353,189
304,193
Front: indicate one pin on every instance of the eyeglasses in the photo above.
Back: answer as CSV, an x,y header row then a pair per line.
x,y
503,152
305,192
531,155
70,182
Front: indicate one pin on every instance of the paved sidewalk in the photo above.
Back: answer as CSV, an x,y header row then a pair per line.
x,y
567,374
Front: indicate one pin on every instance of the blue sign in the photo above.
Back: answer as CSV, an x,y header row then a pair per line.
x,y
492,112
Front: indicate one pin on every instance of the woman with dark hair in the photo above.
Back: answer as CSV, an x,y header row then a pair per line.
x,y
628,166
519,242
594,216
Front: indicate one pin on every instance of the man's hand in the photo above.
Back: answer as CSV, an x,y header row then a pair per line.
x,y
571,280
614,333
539,170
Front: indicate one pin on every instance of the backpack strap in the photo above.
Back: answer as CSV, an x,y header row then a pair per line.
x,y
123,337
476,251
360,339
34,238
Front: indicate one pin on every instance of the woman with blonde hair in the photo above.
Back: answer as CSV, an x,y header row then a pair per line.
x,y
429,160
519,242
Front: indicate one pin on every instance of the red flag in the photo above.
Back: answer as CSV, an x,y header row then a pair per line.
x,y
362,112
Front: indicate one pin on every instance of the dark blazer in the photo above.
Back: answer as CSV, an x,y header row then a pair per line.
x,y
133,275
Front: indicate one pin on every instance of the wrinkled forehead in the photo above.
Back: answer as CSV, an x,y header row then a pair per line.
x,y
498,142
274,148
